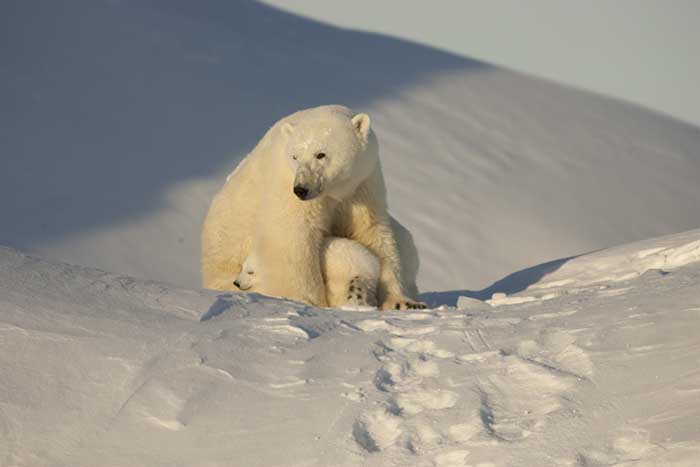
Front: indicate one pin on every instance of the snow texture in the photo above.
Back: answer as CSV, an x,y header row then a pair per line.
x,y
98,369
121,120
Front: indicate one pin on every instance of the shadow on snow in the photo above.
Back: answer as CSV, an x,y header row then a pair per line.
x,y
511,284
108,104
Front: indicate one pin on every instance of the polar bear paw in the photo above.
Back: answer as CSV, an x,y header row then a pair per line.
x,y
402,303
361,293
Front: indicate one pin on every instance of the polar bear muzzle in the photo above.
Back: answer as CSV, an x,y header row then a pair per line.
x,y
309,182
301,191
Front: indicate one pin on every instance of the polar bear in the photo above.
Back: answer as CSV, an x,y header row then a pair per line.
x,y
314,174
350,273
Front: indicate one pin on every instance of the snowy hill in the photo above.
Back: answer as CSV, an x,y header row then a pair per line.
x,y
122,118
598,365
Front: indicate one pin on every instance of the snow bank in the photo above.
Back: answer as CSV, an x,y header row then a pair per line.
x,y
605,267
98,369
627,261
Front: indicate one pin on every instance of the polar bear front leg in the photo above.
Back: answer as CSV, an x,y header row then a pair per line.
x,y
390,292
378,236
365,220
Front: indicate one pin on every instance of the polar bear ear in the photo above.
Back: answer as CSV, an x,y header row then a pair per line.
x,y
287,129
361,123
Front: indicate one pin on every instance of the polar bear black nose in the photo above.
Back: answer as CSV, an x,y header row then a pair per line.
x,y
301,191
237,284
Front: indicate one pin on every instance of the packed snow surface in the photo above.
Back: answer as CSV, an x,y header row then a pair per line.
x,y
98,369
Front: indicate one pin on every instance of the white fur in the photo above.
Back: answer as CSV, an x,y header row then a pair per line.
x,y
258,209
350,273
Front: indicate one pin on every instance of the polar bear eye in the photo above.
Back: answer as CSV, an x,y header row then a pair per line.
x,y
250,273
294,157
320,155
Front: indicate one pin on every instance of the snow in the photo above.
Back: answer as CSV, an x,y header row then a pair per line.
x,y
103,369
583,44
126,118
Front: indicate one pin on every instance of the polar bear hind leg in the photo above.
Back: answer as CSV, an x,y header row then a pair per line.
x,y
361,292
351,273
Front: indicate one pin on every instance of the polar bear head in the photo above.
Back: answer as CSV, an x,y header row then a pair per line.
x,y
249,275
331,150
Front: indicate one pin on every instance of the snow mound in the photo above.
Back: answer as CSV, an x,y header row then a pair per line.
x,y
98,369
627,261
603,268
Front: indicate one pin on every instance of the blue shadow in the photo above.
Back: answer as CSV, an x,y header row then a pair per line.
x,y
511,284
107,104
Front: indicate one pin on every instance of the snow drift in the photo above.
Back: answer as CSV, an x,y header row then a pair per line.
x,y
102,369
